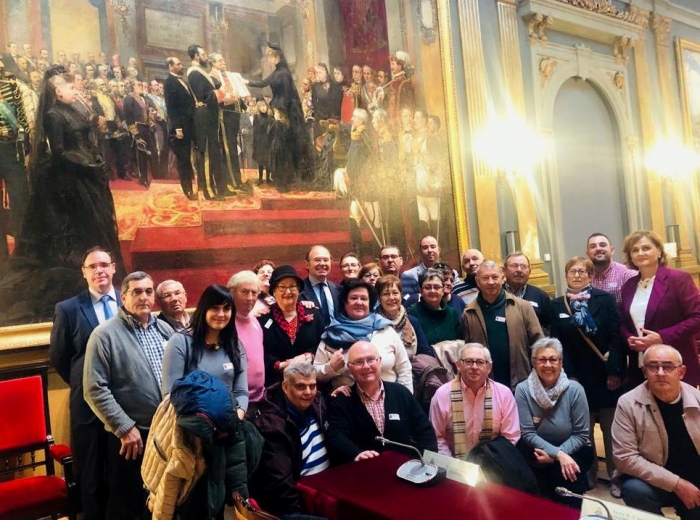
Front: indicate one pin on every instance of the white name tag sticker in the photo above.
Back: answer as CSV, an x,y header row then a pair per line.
x,y
564,315
534,304
394,417
406,296
501,319
268,324
228,366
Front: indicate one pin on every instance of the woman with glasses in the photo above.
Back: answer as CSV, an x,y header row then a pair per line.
x,y
388,289
659,306
370,273
554,424
355,322
291,330
439,321
586,321
210,344
350,266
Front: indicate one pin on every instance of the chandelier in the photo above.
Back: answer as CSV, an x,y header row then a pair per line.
x,y
123,8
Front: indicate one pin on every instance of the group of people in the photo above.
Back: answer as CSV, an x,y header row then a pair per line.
x,y
311,372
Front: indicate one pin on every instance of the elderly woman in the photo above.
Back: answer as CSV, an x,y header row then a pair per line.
x,y
355,323
350,266
439,321
370,273
554,424
388,289
290,330
587,322
659,306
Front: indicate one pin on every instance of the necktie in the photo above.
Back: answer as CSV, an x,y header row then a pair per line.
x,y
107,309
324,303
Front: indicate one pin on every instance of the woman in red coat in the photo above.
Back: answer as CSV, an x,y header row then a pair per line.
x,y
659,305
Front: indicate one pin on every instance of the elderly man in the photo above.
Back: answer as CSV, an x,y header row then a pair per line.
x,y
73,322
608,275
505,324
374,408
292,419
516,269
656,438
121,383
467,289
473,408
317,287
172,300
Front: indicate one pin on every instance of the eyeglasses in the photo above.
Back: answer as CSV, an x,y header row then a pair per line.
x,y
139,292
478,362
518,266
668,368
545,360
99,265
389,257
174,294
288,288
370,361
577,272
433,287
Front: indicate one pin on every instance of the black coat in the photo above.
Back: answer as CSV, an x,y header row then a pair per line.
x,y
580,361
278,346
261,139
273,483
541,304
351,429
180,104
309,294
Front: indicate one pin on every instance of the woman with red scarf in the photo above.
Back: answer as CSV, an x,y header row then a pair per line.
x,y
290,330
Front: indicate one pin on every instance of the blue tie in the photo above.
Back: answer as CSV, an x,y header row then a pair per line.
x,y
107,309
323,300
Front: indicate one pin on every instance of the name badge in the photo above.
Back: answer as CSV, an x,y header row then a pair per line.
x,y
394,417
228,366
564,315
406,296
268,324
501,319
534,304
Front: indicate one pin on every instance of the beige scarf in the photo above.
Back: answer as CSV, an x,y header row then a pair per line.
x,y
459,426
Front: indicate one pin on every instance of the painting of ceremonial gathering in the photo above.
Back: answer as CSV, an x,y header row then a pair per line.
x,y
194,139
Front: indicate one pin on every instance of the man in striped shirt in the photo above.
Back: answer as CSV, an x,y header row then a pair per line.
x,y
292,420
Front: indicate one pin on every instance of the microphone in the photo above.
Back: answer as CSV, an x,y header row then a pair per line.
x,y
562,491
416,472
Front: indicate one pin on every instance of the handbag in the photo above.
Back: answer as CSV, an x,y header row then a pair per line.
x,y
245,510
586,338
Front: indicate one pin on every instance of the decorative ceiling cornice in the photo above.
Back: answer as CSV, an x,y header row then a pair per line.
x,y
605,7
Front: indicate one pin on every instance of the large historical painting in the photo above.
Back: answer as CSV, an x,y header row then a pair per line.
x,y
377,128
689,78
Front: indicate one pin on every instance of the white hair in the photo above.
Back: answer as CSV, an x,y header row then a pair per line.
x,y
544,343
487,352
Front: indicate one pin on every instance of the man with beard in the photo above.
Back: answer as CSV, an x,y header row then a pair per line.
x,y
140,124
608,275
112,128
207,96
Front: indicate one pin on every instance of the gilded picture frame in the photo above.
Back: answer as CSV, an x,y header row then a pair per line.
x,y
688,61
438,65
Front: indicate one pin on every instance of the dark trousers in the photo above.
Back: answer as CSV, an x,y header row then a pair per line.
x,y
127,497
640,495
115,156
230,126
89,442
143,159
210,175
15,176
182,148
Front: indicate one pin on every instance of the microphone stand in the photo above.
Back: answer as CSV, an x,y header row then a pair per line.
x,y
562,491
416,471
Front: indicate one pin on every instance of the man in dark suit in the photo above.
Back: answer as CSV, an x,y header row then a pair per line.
x,y
141,124
74,321
374,408
317,287
180,104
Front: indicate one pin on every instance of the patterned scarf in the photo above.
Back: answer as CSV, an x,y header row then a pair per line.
x,y
579,308
459,425
403,326
546,398
290,327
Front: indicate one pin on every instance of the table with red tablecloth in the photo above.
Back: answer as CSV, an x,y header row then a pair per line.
x,y
370,490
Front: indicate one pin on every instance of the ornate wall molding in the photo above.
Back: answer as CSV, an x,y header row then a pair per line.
x,y
546,68
621,49
605,7
661,27
536,26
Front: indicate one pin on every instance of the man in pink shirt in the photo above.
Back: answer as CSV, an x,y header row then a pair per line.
x,y
473,408
245,288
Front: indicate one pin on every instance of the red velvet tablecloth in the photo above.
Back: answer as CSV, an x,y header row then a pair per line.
x,y
370,490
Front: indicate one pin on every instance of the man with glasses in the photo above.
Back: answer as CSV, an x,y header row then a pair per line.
x,y
390,260
73,322
516,269
473,408
374,408
121,382
656,438
172,300
506,325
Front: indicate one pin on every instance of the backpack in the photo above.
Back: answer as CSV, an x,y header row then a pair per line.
x,y
428,376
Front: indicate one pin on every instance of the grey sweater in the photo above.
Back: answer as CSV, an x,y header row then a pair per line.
x,y
216,362
564,427
118,382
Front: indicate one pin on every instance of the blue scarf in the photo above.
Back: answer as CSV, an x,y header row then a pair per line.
x,y
579,308
343,332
